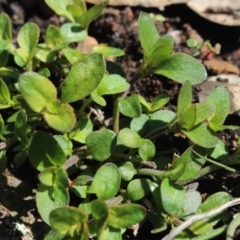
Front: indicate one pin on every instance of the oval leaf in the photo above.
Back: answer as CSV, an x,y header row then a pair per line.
x,y
130,106
219,98
173,197
126,215
101,143
138,188
181,67
130,138
37,90
147,150
106,182
63,119
148,33
49,198
83,78
202,135
44,151
64,218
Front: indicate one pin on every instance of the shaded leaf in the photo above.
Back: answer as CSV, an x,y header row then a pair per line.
x,y
126,215
138,188
101,143
44,151
46,202
130,106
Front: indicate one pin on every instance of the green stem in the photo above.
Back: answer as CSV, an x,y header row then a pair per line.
x,y
86,103
157,132
116,114
151,172
136,160
216,163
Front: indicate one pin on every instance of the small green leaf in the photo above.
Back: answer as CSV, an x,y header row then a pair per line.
x,y
193,163
44,151
20,127
108,51
188,117
10,72
53,36
100,214
173,197
112,84
140,124
213,201
203,111
3,161
5,28
101,143
138,188
184,97
202,135
93,13
126,215
83,78
175,173
46,202
219,98
158,56
159,101
130,106
81,130
219,152
37,90
192,202
75,11
72,55
130,138
160,119
200,227
5,98
65,144
147,150
45,54
146,106
148,33
60,8
63,219
63,119
106,182
127,171
28,37
20,157
73,32
181,67
47,176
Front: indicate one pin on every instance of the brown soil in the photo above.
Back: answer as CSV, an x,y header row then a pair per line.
x,y
118,27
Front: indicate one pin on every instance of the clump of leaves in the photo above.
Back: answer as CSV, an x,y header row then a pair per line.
x,y
112,166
